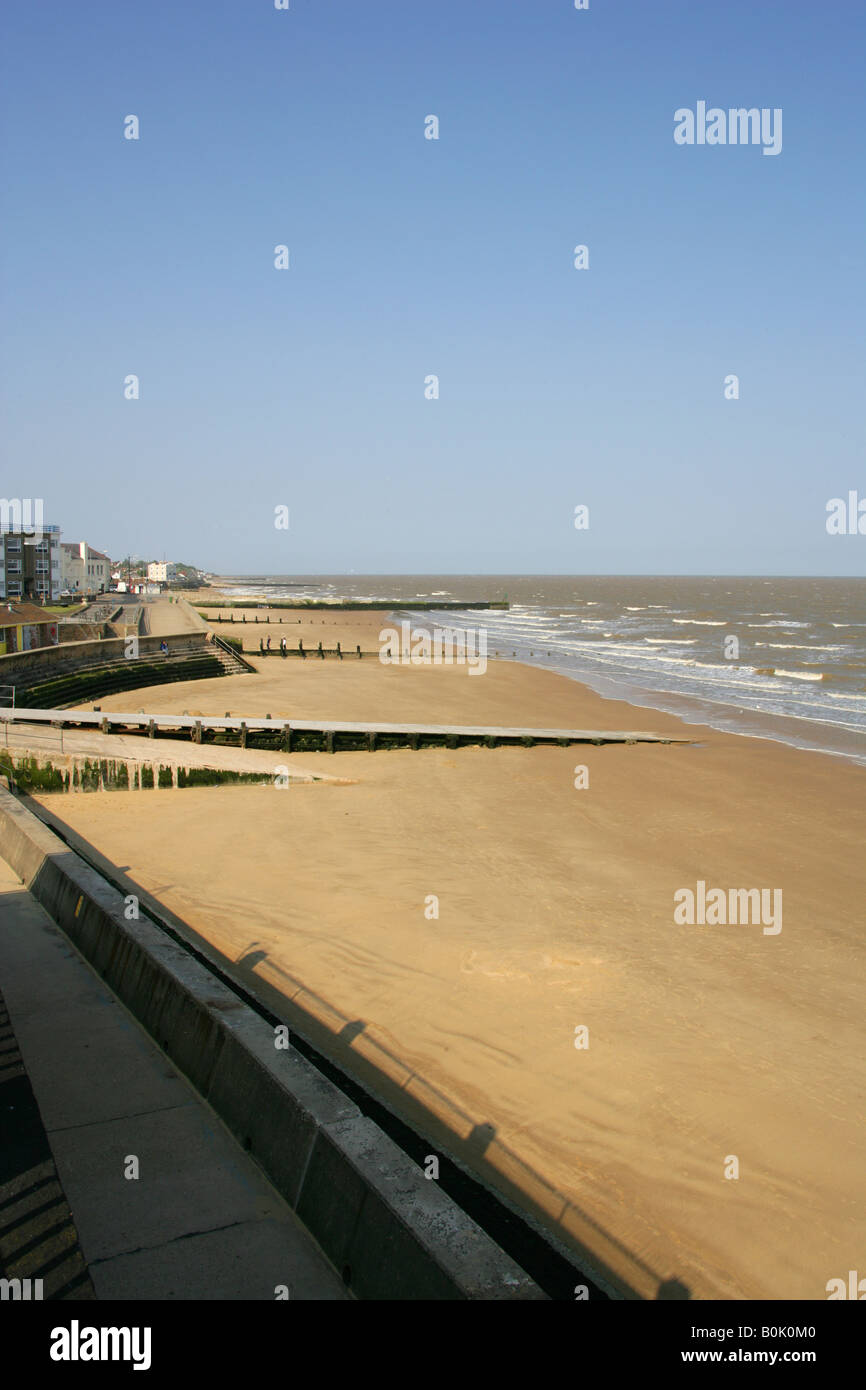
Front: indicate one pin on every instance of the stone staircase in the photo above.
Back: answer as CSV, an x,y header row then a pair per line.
x,y
74,683
232,662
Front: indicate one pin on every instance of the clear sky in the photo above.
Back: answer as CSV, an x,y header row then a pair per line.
x,y
454,257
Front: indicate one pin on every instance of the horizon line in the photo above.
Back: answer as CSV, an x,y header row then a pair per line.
x,y
519,574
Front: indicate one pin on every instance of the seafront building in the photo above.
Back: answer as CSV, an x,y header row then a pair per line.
x,y
161,572
23,626
29,562
83,570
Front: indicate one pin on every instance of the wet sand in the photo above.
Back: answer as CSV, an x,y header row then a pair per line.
x,y
555,910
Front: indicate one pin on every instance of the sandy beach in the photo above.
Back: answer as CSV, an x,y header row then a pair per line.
x,y
555,903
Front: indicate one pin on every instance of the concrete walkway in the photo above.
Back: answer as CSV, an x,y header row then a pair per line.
x,y
38,1239
200,1220
164,618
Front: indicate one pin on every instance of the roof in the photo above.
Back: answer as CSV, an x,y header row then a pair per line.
x,y
23,613
74,549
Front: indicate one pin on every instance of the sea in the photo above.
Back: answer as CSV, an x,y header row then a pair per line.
x,y
796,671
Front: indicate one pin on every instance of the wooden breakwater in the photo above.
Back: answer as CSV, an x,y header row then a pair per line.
x,y
355,605
329,736
319,650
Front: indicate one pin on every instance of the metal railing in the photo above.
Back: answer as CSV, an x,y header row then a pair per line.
x,y
39,738
238,655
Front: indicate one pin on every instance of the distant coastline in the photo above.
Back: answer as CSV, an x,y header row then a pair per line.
x,y
654,642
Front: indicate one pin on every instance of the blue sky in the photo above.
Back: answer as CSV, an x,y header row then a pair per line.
x,y
454,257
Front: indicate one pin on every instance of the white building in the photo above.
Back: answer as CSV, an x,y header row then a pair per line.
x,y
160,572
83,569
29,561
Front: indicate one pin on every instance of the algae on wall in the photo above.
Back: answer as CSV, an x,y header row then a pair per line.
x,y
28,774
215,777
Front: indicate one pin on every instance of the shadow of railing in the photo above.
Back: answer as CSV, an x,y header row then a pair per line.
x,y
39,1247
441,1118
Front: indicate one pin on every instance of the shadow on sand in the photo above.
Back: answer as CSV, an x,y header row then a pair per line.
x,y
557,1242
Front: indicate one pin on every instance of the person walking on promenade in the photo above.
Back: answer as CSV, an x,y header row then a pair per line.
x,y
269,644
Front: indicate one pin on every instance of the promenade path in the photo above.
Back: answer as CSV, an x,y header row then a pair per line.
x,y
91,1090
165,617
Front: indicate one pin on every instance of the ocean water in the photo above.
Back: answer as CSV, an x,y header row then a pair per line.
x,y
799,675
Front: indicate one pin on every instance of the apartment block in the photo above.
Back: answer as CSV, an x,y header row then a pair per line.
x,y
29,562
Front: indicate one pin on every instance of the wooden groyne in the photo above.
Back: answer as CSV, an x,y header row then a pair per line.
x,y
235,644
315,735
354,605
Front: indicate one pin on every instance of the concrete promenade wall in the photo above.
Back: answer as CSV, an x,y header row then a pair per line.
x,y
29,666
193,616
77,632
392,1233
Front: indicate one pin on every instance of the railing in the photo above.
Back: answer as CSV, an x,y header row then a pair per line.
x,y
40,738
232,651
7,696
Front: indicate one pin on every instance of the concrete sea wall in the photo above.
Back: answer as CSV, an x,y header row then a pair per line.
x,y
391,1232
